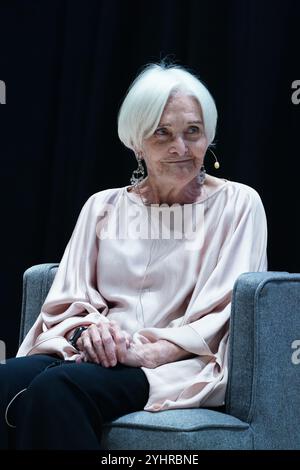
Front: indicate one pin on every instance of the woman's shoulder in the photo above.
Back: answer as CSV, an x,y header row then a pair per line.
x,y
246,190
234,188
244,198
106,195
100,201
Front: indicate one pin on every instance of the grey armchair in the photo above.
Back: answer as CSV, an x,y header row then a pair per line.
x,y
263,401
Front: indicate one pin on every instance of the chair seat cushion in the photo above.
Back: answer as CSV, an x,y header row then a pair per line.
x,y
181,429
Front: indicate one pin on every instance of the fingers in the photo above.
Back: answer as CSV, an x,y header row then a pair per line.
x,y
79,359
105,344
88,346
98,345
97,342
108,344
79,344
121,341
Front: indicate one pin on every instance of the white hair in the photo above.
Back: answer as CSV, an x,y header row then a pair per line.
x,y
147,96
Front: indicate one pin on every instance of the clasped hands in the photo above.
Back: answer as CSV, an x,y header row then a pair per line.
x,y
107,344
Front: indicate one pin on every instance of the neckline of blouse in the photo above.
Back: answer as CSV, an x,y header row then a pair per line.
x,y
135,198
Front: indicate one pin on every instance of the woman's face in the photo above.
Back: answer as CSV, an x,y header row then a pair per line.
x,y
175,152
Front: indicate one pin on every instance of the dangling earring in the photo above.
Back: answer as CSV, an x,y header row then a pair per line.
x,y
138,174
216,164
202,175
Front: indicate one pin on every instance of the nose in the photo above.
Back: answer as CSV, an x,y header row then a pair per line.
x,y
178,146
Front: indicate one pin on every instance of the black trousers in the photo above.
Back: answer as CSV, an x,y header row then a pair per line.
x,y
61,404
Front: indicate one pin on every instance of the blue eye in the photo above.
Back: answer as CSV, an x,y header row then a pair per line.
x,y
161,131
193,130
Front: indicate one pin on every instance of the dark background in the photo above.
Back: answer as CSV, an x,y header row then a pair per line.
x,y
67,65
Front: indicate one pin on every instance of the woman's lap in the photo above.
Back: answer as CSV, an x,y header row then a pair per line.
x,y
17,373
116,390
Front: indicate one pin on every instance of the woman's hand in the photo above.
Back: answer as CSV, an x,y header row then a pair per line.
x,y
143,355
105,344
155,354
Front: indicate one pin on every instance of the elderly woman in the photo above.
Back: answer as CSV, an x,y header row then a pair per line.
x,y
137,317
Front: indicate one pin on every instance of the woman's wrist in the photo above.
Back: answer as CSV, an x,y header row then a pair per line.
x,y
170,352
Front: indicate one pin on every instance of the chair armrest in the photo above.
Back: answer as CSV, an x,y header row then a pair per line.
x,y
37,281
264,382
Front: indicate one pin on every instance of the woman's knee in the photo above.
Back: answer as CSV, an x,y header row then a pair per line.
x,y
48,385
21,370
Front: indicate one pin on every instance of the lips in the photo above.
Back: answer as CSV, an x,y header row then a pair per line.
x,y
179,161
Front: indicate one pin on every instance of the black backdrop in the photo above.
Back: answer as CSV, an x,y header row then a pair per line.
x,y
67,64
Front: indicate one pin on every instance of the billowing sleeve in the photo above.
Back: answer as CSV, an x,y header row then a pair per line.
x,y
205,323
73,299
